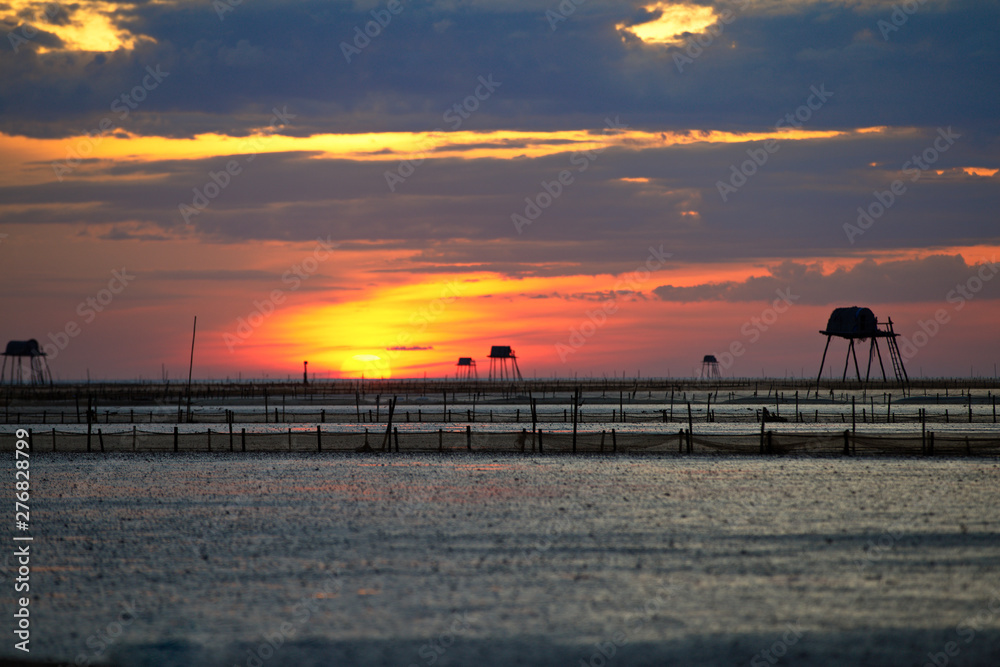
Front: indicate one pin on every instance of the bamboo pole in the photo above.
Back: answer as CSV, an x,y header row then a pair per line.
x,y
194,329
690,429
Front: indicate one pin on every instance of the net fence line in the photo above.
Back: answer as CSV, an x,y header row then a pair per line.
x,y
591,442
954,414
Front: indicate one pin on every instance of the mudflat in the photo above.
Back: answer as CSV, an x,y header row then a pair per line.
x,y
317,559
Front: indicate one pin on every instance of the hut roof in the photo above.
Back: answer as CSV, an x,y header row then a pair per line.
x,y
852,322
23,348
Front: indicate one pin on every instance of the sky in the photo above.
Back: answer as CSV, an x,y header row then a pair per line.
x,y
382,187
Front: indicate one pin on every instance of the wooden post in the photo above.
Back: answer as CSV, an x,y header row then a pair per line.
x,y
970,406
854,422
708,408
930,444
770,443
357,405
690,429
576,403
208,438
243,439
797,406
541,448
194,329
175,439
761,436
614,442
923,431
468,437
534,422
386,443
319,438
602,441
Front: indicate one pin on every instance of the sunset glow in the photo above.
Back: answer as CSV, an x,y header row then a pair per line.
x,y
673,20
89,27
381,198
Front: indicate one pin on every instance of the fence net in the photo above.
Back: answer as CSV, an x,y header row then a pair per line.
x,y
666,443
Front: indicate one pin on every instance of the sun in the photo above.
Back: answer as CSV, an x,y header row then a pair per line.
x,y
370,366
672,22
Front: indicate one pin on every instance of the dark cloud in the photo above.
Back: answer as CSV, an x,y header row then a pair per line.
x,y
226,75
937,69
455,215
920,280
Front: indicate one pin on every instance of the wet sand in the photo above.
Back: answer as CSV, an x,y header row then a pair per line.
x,y
305,559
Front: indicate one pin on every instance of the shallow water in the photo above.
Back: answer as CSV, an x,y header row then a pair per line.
x,y
483,559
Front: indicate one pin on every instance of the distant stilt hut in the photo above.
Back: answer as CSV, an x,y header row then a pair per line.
x,y
710,368
856,323
17,352
503,363
466,369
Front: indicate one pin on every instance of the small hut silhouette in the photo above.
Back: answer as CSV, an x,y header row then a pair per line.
x,y
466,369
500,355
856,323
710,368
19,350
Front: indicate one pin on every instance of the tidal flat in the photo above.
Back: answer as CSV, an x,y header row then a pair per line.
x,y
318,559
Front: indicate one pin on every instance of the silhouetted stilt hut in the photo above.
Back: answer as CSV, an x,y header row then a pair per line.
x,y
503,363
859,324
466,369
17,352
710,368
